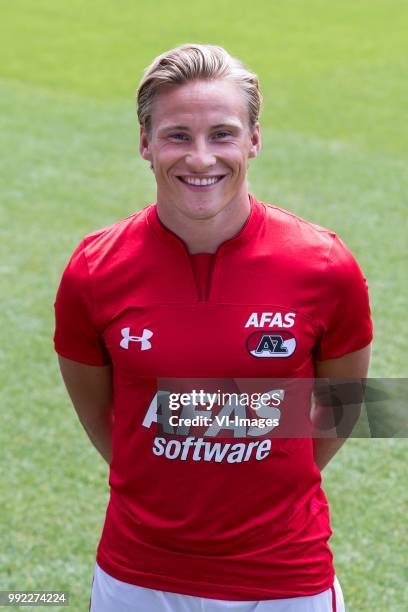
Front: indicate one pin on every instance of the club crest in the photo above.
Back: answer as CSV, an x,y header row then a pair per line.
x,y
273,344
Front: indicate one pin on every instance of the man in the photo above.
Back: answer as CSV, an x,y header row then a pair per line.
x,y
208,283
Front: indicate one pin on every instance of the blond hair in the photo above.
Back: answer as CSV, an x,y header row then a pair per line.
x,y
190,62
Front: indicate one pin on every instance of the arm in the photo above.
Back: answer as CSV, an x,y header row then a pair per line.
x,y
90,390
353,366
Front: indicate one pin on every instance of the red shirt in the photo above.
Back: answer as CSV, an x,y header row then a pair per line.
x,y
199,514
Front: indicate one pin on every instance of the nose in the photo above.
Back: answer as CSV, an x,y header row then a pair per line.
x,y
200,157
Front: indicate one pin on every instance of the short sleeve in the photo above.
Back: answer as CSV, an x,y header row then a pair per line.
x,y
76,336
347,325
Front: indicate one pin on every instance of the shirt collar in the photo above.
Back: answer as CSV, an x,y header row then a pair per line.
x,y
253,222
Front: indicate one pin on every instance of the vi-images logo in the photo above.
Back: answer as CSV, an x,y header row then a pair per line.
x,y
143,339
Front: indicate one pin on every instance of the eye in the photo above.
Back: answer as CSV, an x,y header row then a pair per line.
x,y
221,135
178,136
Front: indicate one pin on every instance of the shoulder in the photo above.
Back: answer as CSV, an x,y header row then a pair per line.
x,y
102,249
118,232
293,227
310,248
105,246
302,241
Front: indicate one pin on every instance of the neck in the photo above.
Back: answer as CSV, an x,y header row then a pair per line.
x,y
206,235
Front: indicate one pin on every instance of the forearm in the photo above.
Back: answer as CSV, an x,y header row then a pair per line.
x,y
334,415
90,390
99,432
324,450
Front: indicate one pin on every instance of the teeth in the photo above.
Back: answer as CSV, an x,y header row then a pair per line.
x,y
204,181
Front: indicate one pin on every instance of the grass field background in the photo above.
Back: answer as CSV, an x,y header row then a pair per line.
x,y
334,151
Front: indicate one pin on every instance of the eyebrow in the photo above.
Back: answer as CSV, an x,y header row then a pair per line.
x,y
226,125
230,126
173,127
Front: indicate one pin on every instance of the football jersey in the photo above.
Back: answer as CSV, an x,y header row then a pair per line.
x,y
225,513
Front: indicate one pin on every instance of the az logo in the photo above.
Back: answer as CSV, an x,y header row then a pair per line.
x,y
281,344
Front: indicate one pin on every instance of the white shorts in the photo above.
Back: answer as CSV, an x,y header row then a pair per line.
x,y
111,595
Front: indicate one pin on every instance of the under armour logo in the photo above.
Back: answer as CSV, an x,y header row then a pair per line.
x,y
143,339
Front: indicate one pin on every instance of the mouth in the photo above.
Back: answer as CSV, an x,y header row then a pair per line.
x,y
202,183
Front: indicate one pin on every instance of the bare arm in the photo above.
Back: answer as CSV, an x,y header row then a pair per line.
x,y
90,390
353,366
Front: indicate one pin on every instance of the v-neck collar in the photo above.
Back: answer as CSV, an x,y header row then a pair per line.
x,y
255,217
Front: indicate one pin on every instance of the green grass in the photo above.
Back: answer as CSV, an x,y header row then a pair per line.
x,y
334,151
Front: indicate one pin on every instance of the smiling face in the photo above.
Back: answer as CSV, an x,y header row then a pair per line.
x,y
199,145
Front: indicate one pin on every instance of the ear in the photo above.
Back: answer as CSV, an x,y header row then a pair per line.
x,y
256,141
144,145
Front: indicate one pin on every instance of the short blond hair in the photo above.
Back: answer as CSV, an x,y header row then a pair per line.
x,y
190,62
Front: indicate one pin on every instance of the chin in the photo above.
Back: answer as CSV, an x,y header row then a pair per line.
x,y
205,206
202,211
